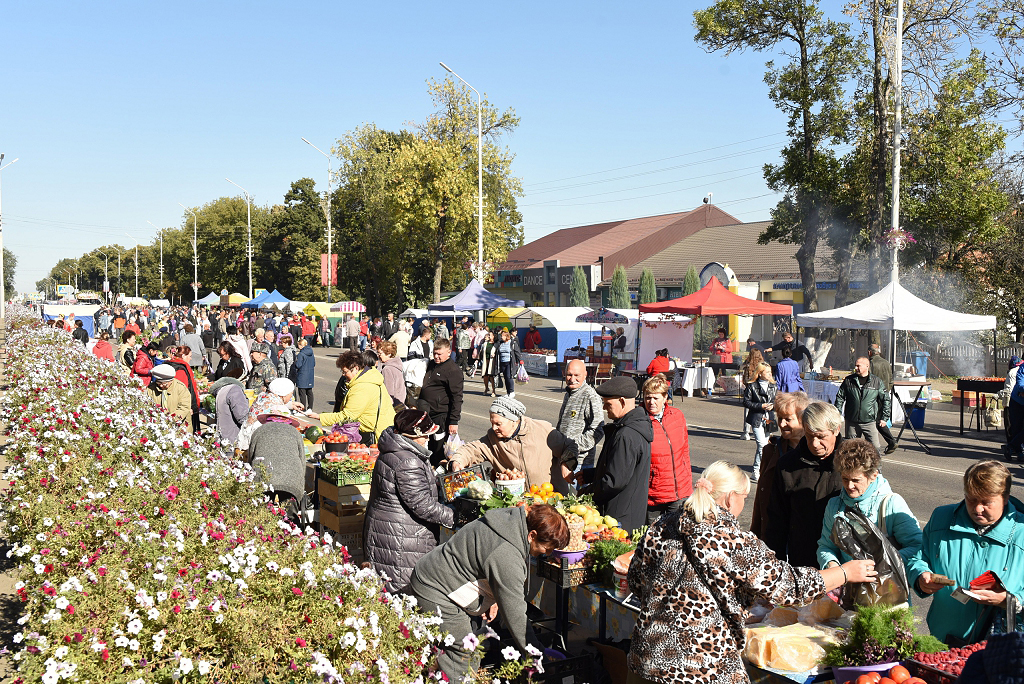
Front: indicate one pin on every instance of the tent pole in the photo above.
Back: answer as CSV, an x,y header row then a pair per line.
x,y
995,353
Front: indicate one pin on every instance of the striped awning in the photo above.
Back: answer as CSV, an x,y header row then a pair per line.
x,y
348,307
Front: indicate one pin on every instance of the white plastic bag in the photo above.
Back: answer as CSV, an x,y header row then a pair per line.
x,y
452,445
521,376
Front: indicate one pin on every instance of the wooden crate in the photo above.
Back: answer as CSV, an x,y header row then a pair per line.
x,y
968,399
342,497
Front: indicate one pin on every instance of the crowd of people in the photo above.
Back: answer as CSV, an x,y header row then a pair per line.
x,y
695,570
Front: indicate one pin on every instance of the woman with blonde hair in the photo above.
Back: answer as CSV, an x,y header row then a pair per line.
x,y
695,573
671,481
749,371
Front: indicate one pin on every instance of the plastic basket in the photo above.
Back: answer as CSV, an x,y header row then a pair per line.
x,y
563,574
451,483
344,478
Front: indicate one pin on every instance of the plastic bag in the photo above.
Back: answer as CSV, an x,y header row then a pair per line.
x,y
452,445
861,539
521,376
350,430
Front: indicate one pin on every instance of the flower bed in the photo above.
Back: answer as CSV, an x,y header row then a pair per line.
x,y
146,555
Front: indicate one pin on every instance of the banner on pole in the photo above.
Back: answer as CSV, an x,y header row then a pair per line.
x,y
106,286
258,291
331,272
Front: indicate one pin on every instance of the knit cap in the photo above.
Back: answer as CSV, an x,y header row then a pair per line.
x,y
508,408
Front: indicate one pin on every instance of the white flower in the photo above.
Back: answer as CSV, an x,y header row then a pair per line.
x,y
470,642
449,639
49,677
134,644
62,603
121,642
532,650
60,652
185,665
203,667
135,626
510,653
153,613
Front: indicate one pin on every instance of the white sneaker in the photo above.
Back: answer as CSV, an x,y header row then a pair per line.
x,y
511,395
746,436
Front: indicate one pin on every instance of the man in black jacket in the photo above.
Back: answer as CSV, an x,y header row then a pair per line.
x,y
389,328
805,480
441,396
623,470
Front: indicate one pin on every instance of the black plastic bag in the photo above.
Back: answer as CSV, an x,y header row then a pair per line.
x,y
861,539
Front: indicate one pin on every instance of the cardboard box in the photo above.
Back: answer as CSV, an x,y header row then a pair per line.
x,y
345,494
346,530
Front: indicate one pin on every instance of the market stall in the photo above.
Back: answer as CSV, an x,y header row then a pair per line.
x,y
894,308
233,299
81,312
474,298
559,332
211,299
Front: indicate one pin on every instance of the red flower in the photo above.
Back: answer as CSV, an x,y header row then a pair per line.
x,y
48,568
106,654
102,571
71,610
300,642
177,609
307,619
183,572
296,591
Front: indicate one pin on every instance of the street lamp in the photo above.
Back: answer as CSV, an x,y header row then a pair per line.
x,y
3,285
106,280
330,269
160,232
136,265
479,173
195,254
248,213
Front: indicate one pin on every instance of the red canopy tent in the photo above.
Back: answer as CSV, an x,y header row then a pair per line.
x,y
715,300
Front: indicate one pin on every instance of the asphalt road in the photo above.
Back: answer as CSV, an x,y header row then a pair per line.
x,y
715,425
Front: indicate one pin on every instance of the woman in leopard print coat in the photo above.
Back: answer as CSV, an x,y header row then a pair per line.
x,y
695,573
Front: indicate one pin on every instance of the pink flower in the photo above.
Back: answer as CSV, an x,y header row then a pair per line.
x,y
300,642
296,591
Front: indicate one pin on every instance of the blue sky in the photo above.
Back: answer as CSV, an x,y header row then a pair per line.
x,y
118,111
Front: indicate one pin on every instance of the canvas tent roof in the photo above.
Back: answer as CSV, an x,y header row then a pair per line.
x,y
894,308
212,298
714,299
273,298
474,298
322,309
348,307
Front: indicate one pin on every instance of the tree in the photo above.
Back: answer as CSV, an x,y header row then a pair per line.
x,y
810,90
10,263
436,186
648,290
578,292
691,283
618,293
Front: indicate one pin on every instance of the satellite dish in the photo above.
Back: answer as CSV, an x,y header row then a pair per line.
x,y
716,270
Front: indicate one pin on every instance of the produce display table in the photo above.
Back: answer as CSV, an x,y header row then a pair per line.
x,y
537,364
822,390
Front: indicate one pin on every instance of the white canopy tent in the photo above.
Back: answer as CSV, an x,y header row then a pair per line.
x,y
894,308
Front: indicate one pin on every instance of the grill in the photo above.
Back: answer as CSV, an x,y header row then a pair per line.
x,y
990,385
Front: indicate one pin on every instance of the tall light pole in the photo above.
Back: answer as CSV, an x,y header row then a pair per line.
x,y
479,174
195,253
248,220
3,292
160,232
106,280
136,265
327,211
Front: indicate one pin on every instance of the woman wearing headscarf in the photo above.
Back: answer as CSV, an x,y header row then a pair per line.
x,y
403,515
277,396
517,441
696,572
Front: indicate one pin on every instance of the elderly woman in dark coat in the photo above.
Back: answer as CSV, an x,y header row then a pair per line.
x,y
403,516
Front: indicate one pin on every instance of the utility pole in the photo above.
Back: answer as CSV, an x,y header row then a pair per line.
x,y
195,254
160,232
327,212
248,214
136,266
3,285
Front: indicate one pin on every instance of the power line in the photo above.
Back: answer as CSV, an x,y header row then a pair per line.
x,y
655,161
655,194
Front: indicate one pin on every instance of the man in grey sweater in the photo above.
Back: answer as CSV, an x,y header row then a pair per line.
x,y
484,567
581,417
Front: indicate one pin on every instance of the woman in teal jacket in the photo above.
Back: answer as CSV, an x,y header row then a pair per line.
x,y
982,533
865,489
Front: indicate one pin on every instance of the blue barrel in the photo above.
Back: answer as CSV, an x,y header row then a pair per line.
x,y
919,360
917,417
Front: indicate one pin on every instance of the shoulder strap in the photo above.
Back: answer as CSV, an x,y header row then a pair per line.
x,y
883,514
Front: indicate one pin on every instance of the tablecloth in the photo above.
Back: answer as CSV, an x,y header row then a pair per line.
x,y
700,377
537,364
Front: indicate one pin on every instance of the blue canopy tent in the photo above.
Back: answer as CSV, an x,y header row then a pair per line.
x,y
474,298
273,298
81,312
255,302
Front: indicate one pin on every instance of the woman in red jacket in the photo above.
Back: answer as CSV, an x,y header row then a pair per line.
x,y
660,363
671,480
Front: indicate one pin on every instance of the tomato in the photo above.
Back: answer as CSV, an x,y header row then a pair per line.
x,y
865,679
899,674
875,677
886,680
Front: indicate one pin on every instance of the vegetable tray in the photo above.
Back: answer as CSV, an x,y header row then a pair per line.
x,y
931,674
451,483
343,478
